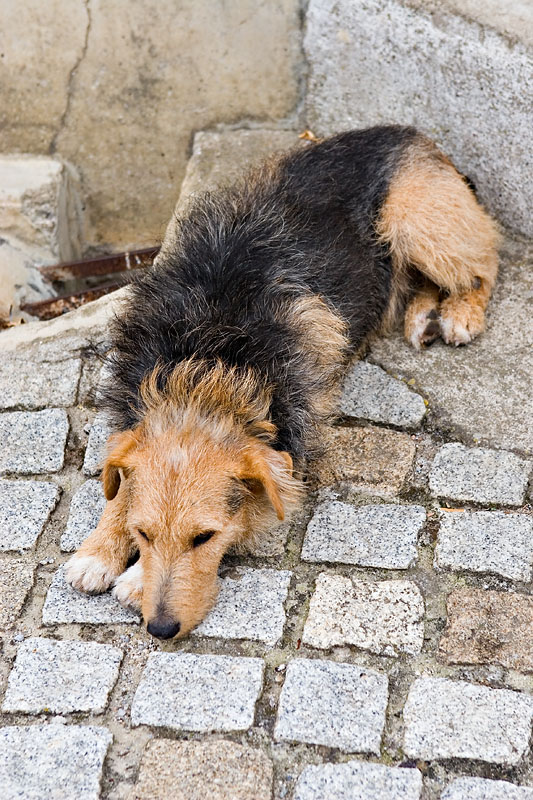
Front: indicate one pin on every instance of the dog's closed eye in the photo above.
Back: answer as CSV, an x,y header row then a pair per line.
x,y
202,538
143,534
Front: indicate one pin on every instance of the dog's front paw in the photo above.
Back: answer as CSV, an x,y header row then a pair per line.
x,y
89,574
128,587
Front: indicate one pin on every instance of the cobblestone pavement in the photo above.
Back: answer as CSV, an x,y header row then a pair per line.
x,y
378,646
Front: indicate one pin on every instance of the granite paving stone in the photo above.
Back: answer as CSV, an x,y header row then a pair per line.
x,y
369,536
334,704
386,618
231,771
62,762
483,789
456,719
25,508
486,541
375,459
191,692
33,442
370,393
357,780
16,580
95,452
24,384
64,604
487,627
61,677
86,509
249,606
479,475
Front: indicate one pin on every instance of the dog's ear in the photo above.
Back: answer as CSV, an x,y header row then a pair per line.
x,y
119,447
269,471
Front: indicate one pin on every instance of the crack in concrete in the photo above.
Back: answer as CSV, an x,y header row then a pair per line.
x,y
70,82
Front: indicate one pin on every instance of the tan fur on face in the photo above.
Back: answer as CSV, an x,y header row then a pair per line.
x,y
431,221
182,472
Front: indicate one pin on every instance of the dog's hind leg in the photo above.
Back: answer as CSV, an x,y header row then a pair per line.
x,y
421,324
432,222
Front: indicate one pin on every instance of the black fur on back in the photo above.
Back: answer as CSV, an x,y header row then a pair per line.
x,y
243,254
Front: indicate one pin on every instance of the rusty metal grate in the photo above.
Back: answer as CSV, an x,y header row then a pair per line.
x,y
113,264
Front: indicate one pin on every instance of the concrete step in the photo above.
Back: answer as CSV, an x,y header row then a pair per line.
x,y
460,70
40,223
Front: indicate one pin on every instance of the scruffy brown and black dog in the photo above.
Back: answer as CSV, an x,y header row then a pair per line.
x,y
228,353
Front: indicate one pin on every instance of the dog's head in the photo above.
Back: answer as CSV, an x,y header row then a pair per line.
x,y
192,490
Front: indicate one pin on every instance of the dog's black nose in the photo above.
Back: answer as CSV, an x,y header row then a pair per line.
x,y
163,628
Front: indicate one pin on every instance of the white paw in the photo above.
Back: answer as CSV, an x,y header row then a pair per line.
x,y
129,586
89,574
455,333
423,330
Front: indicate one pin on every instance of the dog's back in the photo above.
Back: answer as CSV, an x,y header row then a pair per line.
x,y
286,274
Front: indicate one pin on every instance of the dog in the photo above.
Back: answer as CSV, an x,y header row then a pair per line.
x,y
227,357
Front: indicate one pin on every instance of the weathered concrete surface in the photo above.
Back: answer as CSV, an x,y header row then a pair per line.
x,y
489,628
131,83
482,391
40,205
231,771
380,61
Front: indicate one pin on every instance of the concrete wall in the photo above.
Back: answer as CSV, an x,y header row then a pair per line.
x,y
465,79
117,87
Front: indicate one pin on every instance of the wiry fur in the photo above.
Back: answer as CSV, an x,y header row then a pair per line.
x,y
227,357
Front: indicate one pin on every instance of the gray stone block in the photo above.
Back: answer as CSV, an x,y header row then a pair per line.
x,y
479,475
25,508
337,705
190,692
95,453
86,509
16,580
481,789
370,536
370,393
249,606
486,541
357,780
386,618
459,82
33,442
456,719
25,384
64,604
52,761
61,677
